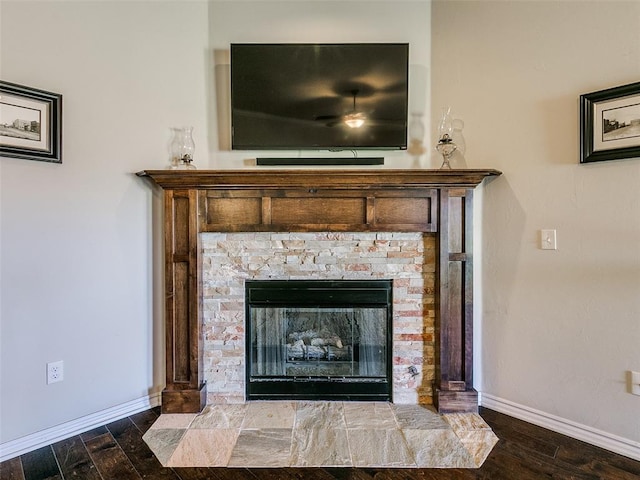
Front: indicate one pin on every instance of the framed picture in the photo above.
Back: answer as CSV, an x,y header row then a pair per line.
x,y
610,124
30,123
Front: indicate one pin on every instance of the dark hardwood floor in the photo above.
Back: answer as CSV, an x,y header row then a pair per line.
x,y
117,452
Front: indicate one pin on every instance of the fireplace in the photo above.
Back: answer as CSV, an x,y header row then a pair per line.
x,y
438,203
319,340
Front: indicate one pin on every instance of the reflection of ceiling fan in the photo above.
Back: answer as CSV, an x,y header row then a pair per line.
x,y
353,119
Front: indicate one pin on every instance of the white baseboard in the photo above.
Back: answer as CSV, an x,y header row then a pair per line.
x,y
55,434
605,440
608,441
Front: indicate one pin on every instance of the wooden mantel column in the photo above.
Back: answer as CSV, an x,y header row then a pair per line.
x,y
453,390
437,202
185,390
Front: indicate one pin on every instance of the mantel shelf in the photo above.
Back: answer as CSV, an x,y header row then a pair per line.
x,y
344,178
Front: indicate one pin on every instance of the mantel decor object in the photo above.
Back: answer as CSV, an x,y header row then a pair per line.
x,y
445,146
182,149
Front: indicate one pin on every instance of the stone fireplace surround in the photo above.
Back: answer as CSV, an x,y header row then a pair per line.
x,y
231,258
436,203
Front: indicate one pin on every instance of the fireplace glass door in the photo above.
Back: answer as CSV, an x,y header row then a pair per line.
x,y
319,339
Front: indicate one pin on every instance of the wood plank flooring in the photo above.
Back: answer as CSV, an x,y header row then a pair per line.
x,y
117,452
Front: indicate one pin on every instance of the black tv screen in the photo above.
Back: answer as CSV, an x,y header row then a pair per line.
x,y
319,96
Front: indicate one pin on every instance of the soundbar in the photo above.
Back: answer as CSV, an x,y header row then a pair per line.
x,y
321,161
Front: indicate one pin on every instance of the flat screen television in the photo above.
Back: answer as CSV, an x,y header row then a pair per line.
x,y
319,96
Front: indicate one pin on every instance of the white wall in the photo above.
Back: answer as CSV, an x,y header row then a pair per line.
x,y
559,328
76,244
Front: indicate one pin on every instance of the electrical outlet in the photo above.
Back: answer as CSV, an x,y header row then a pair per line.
x,y
55,372
548,240
634,383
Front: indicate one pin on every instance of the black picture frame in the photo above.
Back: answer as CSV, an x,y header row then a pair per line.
x,y
30,123
610,124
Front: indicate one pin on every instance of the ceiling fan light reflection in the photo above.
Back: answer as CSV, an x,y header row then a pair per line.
x,y
354,120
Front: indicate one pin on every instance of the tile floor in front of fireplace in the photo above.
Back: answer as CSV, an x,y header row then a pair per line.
x,y
321,434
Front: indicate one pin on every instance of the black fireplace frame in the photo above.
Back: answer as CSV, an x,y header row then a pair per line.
x,y
320,293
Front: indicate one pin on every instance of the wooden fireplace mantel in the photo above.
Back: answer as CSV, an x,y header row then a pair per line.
x,y
439,202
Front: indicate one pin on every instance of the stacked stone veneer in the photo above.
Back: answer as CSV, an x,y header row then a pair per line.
x,y
231,258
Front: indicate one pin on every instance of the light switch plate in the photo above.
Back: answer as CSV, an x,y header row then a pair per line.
x,y
548,240
634,382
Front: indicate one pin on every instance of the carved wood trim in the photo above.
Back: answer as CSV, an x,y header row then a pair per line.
x,y
431,201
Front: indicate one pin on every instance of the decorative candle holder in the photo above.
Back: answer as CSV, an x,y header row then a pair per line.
x,y
182,149
445,146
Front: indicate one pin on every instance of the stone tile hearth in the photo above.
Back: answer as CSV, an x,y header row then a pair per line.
x,y
321,434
